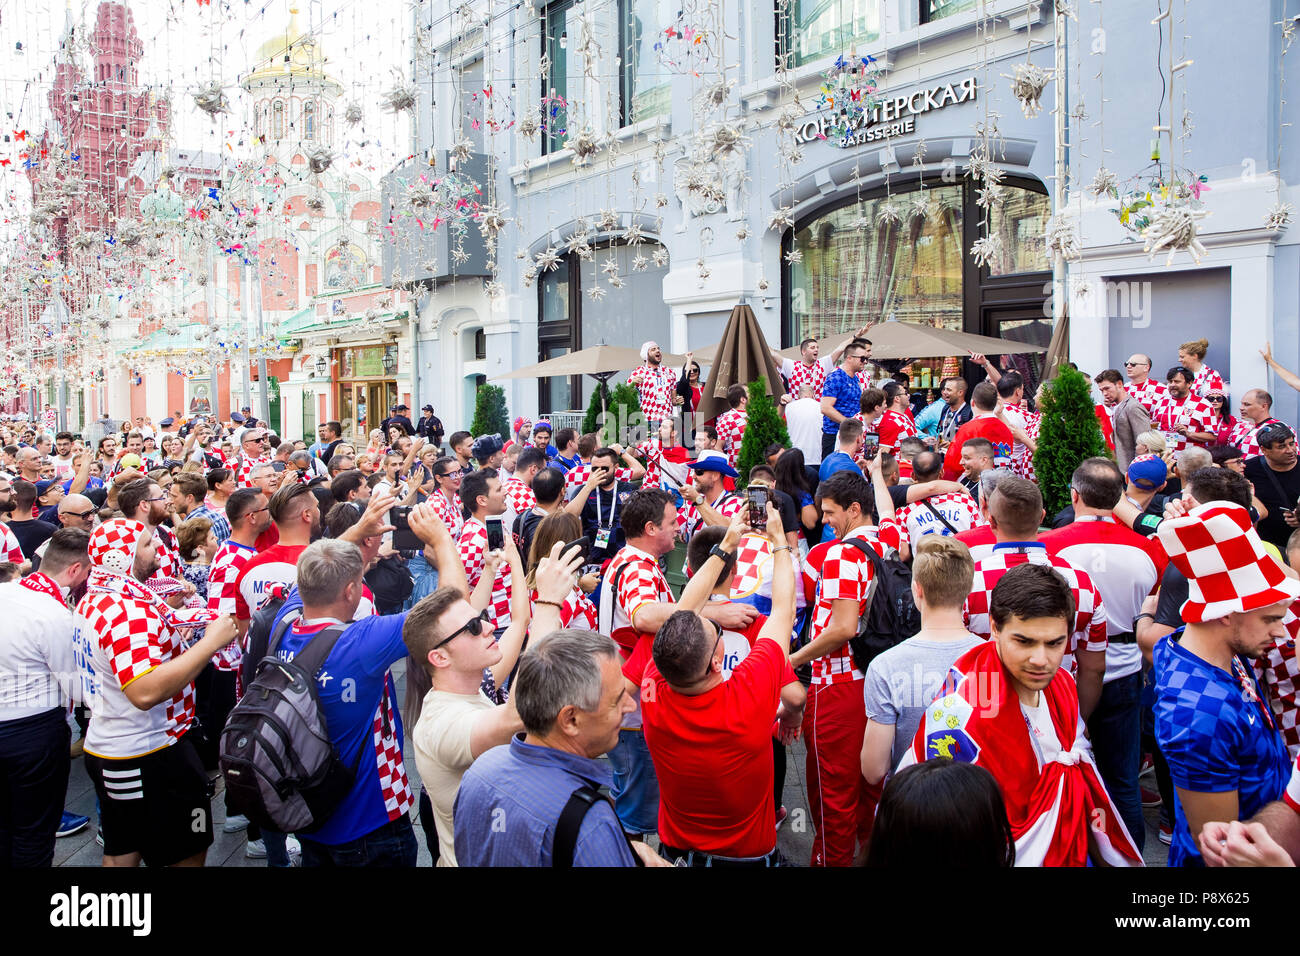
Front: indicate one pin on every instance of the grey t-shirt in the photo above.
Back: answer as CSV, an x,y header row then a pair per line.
x,y
904,680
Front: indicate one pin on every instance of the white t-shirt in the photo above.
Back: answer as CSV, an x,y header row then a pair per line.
x,y
63,467
37,654
803,420
443,754
1041,731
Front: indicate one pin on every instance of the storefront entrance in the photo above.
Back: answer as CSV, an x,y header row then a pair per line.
x,y
365,392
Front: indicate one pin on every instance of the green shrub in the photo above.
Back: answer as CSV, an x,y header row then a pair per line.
x,y
764,427
1068,434
491,417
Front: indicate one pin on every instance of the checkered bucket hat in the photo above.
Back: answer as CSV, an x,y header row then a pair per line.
x,y
1227,569
113,543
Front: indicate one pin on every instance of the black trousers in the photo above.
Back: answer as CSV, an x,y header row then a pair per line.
x,y
34,765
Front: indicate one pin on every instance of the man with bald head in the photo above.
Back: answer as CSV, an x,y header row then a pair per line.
x,y
77,511
1141,385
1256,412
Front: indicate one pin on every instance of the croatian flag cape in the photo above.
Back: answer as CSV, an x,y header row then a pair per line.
x,y
1059,810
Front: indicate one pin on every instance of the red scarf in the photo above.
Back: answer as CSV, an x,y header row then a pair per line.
x,y
43,584
1059,811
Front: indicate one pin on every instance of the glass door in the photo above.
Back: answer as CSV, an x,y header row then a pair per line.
x,y
347,407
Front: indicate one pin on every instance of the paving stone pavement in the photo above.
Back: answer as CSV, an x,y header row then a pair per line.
x,y
228,849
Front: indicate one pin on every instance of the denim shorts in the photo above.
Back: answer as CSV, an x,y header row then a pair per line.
x,y
636,787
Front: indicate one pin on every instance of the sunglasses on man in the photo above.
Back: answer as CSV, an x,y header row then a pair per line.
x,y
474,625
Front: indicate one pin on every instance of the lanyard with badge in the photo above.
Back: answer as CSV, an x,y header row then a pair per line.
x,y
604,532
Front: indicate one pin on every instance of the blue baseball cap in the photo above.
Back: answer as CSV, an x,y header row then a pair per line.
x,y
713,461
1148,472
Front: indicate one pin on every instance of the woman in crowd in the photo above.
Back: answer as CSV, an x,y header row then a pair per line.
x,y
198,545
562,528
1191,356
792,478
1224,420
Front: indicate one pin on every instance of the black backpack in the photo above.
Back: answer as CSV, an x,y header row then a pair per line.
x,y
280,765
891,616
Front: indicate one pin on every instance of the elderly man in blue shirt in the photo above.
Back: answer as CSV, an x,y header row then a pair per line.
x,y
571,696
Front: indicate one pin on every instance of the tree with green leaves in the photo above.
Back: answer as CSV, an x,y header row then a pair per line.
x,y
1068,434
599,398
763,427
491,417
622,415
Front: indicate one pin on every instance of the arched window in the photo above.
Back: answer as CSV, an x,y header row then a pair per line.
x,y
309,121
277,120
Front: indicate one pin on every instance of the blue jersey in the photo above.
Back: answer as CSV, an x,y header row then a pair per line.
x,y
353,684
847,392
1215,737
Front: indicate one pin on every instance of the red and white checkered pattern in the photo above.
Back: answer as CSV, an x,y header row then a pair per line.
x,y
1207,380
728,504
1227,569
473,548
752,554
1191,411
893,427
1025,464
576,611
1244,436
448,509
799,374
169,560
846,575
246,465
1279,671
959,508
10,550
656,385
223,595
122,637
112,545
577,476
731,433
519,497
393,783
650,450
642,583
1089,632
1149,394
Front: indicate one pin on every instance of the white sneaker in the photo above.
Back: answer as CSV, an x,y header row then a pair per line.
x,y
256,850
235,824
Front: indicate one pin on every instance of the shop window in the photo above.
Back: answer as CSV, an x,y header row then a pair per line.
x,y
559,41
1021,224
645,90
812,30
932,10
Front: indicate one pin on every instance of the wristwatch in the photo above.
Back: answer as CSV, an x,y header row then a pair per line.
x,y
717,552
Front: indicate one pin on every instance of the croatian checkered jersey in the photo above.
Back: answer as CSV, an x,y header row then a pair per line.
x,y
1292,794
448,510
799,374
576,611
519,497
120,638
473,549
246,466
1280,672
9,547
223,595
578,475
731,433
893,427
1192,411
846,575
1089,631
728,505
958,508
651,450
1206,380
1149,394
1244,436
655,386
640,581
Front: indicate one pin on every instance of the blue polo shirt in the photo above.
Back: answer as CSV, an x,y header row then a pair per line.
x,y
1214,737
352,682
836,461
847,392
528,786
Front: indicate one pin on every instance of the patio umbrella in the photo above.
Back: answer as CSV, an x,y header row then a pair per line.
x,y
908,340
742,356
601,362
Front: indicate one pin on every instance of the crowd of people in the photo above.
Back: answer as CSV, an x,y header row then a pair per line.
x,y
974,681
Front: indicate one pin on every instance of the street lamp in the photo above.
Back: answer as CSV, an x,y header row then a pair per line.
x,y
321,365
390,363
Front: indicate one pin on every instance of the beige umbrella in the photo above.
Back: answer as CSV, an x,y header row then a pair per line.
x,y
598,361
908,340
742,356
